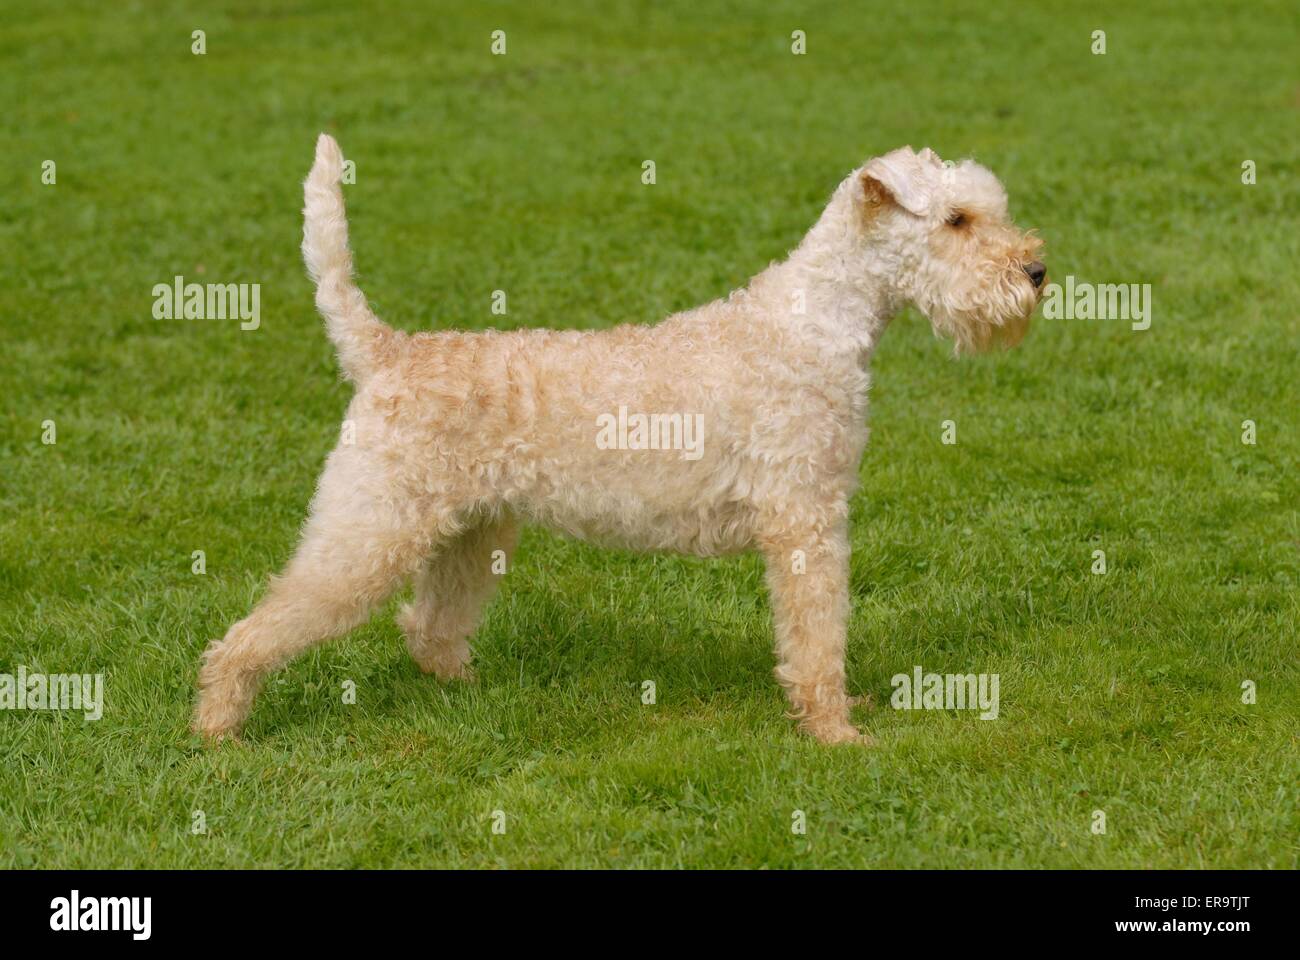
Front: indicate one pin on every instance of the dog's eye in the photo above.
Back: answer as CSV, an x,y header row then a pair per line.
x,y
957,220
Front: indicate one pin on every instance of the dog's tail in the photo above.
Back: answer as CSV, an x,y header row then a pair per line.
x,y
358,335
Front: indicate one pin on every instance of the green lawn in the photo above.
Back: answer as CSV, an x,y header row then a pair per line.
x,y
1119,692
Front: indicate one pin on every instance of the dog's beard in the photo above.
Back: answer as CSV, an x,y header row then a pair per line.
x,y
984,315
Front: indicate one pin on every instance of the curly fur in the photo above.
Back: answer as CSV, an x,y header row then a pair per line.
x,y
459,436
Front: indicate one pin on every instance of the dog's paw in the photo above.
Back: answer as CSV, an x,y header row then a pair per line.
x,y
833,732
224,700
463,673
443,664
215,723
214,738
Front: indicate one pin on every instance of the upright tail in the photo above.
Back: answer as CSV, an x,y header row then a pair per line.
x,y
358,335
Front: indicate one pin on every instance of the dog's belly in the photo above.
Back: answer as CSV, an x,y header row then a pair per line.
x,y
630,524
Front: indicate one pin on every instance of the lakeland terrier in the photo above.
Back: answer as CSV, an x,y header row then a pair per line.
x,y
452,439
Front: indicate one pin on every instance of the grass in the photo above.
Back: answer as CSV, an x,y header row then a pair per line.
x,y
1120,693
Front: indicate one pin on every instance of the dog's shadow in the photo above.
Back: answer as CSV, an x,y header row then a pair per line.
x,y
678,630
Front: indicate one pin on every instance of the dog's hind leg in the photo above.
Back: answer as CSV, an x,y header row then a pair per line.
x,y
357,547
808,578
450,591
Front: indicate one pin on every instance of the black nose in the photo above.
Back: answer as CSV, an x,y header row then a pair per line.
x,y
1036,272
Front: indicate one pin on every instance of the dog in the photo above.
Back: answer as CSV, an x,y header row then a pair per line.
x,y
454,439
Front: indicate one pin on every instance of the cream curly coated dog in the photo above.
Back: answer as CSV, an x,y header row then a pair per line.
x,y
455,438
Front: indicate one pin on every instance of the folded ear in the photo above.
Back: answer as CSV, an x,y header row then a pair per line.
x,y
900,175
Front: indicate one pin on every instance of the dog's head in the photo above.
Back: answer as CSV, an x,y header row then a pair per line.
x,y
959,257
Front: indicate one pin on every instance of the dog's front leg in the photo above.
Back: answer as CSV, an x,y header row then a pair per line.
x,y
808,578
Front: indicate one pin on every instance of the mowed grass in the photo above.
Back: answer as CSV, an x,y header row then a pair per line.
x,y
1120,693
